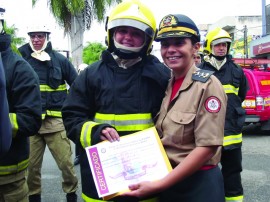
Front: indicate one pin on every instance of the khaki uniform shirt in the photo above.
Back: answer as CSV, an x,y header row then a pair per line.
x,y
194,118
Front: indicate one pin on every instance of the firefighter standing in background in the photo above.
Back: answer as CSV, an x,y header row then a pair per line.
x,y
54,71
119,94
198,57
235,84
190,122
22,88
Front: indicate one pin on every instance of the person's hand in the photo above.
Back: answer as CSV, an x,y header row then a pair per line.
x,y
109,134
142,189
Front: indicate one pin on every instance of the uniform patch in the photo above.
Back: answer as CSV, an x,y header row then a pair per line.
x,y
212,104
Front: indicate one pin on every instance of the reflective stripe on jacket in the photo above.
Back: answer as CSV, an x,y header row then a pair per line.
x,y
14,123
123,122
105,95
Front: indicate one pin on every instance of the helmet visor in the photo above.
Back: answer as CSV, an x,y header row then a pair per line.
x,y
132,23
222,40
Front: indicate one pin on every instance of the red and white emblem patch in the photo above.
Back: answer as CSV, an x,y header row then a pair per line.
x,y
212,104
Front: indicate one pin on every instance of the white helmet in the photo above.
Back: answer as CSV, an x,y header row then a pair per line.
x,y
39,28
2,13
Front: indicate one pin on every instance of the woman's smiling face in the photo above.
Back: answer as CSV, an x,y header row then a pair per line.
x,y
178,54
129,36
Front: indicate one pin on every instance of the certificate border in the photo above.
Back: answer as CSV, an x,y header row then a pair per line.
x,y
97,173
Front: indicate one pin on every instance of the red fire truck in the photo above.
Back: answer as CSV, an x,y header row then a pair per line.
x,y
257,102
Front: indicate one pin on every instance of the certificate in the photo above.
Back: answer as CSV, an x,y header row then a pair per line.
x,y
135,158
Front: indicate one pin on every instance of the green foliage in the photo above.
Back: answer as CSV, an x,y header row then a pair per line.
x,y
63,10
92,52
99,7
15,41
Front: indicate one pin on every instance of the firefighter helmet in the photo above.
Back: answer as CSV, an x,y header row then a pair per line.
x,y
214,37
135,14
2,13
177,26
38,28
200,51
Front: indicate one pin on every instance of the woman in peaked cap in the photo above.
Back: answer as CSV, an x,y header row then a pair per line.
x,y
190,122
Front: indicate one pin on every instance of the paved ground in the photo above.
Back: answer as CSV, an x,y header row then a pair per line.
x,y
255,176
256,165
51,180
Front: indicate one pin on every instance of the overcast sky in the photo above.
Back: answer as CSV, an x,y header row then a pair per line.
x,y
20,13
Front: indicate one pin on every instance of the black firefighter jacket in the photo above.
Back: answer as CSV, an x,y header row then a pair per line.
x,y
105,94
53,76
22,87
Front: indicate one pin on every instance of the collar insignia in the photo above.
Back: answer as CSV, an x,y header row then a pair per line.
x,y
201,75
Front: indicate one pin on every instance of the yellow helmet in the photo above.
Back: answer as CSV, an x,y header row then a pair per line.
x,y
135,14
201,51
214,37
177,26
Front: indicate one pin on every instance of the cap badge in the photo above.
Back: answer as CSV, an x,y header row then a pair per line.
x,y
168,21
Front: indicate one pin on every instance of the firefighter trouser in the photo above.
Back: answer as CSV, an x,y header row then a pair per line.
x,y
202,186
231,162
60,148
14,191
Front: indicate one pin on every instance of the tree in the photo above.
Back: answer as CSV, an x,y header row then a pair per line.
x,y
92,52
75,16
15,41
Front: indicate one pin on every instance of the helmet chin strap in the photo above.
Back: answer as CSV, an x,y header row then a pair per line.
x,y
43,47
131,49
220,58
126,52
40,54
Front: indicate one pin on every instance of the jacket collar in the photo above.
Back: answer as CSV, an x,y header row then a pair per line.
x,y
152,68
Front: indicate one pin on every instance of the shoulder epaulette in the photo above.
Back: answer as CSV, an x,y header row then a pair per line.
x,y
202,75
